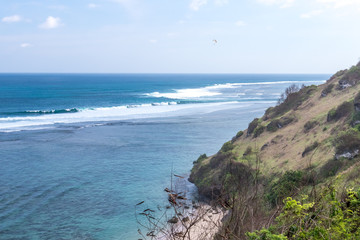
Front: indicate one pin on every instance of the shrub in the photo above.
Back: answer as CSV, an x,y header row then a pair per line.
x,y
248,151
273,126
356,115
350,78
310,148
227,147
288,183
357,97
324,217
276,124
292,101
252,126
341,111
288,91
284,121
328,89
348,141
265,234
355,118
200,158
258,131
238,135
309,125
331,168
219,158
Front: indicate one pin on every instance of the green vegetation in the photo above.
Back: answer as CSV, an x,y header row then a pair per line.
x,y
354,70
287,185
341,111
227,147
332,167
239,134
326,217
200,158
258,131
262,179
293,100
252,126
276,124
328,89
310,148
248,151
348,141
310,125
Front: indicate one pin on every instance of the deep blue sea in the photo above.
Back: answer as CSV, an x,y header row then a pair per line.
x,y
78,151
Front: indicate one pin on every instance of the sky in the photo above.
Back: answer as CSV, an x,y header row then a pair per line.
x,y
177,36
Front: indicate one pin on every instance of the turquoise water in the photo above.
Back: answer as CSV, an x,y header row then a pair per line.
x,y
77,152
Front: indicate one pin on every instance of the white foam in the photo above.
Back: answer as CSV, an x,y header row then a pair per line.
x,y
215,90
112,114
185,94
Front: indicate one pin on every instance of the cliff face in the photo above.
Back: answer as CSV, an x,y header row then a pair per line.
x,y
311,138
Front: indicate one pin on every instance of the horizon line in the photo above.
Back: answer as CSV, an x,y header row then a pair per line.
x,y
133,73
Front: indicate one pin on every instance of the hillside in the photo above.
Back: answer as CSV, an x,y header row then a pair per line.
x,y
308,142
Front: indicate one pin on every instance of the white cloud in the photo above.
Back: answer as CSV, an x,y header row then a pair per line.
x,y
12,19
25,45
92,5
153,41
240,23
196,4
311,14
51,22
281,3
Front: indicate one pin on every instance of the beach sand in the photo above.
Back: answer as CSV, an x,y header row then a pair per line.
x,y
201,222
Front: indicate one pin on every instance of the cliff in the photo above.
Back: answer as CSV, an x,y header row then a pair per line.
x,y
309,141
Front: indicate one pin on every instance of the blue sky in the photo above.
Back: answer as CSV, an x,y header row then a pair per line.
x,y
176,36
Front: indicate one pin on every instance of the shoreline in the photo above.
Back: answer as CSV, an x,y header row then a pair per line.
x,y
202,222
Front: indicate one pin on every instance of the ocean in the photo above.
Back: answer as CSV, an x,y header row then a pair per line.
x,y
78,151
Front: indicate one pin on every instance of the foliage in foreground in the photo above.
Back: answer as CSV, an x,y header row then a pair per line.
x,y
327,217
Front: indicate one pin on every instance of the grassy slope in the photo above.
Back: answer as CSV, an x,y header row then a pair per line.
x,y
283,148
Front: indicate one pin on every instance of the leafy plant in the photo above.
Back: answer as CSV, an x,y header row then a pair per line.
x,y
252,126
287,184
326,217
348,141
341,111
200,158
310,125
258,131
328,89
227,147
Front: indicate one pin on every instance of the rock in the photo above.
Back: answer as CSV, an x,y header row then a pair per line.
x,y
186,219
348,155
173,220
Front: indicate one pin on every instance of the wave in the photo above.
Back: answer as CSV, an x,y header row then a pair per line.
x,y
75,110
116,113
41,112
215,90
